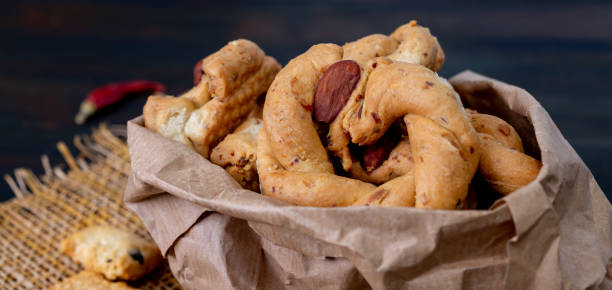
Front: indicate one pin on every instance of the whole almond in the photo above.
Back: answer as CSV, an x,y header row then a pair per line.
x,y
374,155
334,89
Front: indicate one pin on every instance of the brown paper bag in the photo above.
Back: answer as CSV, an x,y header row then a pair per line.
x,y
554,233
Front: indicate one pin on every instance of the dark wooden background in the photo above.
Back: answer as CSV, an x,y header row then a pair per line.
x,y
52,53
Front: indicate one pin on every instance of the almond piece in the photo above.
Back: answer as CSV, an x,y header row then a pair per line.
x,y
374,155
334,89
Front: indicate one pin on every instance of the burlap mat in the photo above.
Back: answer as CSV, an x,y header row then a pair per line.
x,y
65,199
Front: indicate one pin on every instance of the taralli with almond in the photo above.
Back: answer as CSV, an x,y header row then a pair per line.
x,y
227,86
361,92
366,123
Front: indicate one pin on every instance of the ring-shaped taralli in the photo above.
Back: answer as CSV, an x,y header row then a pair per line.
x,y
293,163
503,163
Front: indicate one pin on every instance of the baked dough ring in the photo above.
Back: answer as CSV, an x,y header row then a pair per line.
x,y
89,280
503,163
409,43
417,45
442,139
287,111
304,188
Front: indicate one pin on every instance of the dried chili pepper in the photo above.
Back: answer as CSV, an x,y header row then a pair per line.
x,y
111,93
197,73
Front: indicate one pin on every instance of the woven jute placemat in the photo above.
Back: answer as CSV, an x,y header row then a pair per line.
x,y
85,191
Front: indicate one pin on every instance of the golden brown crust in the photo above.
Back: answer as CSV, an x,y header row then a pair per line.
x,y
89,280
412,40
167,116
417,46
422,93
505,169
369,47
304,188
209,124
497,128
502,162
114,253
237,153
443,169
287,111
231,66
387,90
397,192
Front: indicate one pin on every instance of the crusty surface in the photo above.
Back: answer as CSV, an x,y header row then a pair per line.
x,y
114,253
503,163
497,128
231,66
397,192
369,47
305,188
238,151
398,89
89,280
443,169
505,169
410,43
417,46
209,124
288,109
167,116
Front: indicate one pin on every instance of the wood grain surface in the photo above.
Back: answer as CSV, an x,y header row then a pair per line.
x,y
52,53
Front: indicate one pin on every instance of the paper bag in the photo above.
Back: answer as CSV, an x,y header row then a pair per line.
x,y
554,233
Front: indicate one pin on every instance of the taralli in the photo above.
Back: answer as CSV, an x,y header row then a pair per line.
x,y
227,86
366,123
305,188
362,98
503,163
423,50
209,124
238,151
114,253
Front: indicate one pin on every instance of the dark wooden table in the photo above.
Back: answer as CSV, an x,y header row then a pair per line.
x,y
53,53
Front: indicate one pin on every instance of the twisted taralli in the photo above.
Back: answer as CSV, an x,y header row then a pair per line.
x,y
361,94
503,162
228,84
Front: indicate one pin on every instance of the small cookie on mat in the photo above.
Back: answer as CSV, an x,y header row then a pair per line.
x,y
88,280
114,253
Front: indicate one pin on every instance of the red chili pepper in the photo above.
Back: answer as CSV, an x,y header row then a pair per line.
x,y
111,93
197,73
